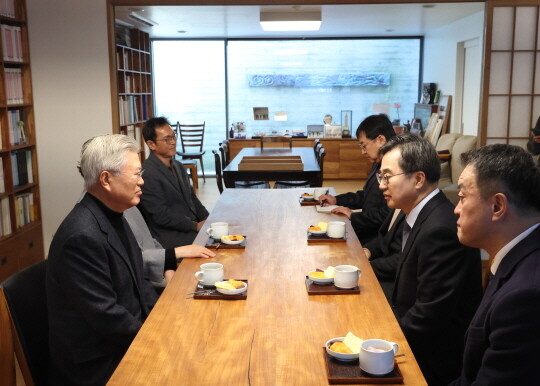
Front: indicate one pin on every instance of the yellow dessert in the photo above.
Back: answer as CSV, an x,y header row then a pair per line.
x,y
341,348
230,284
323,225
315,229
233,238
318,275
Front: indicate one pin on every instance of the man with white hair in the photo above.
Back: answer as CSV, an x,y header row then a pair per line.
x,y
97,296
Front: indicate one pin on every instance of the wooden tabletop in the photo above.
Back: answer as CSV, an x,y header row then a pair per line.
x,y
311,171
276,335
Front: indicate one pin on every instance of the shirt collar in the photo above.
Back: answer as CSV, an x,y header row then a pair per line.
x,y
411,217
508,247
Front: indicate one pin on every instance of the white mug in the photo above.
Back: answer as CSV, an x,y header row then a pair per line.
x,y
336,229
346,276
210,273
319,192
218,229
377,356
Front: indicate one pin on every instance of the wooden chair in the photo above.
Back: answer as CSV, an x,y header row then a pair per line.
x,y
225,160
276,139
225,154
219,175
24,326
322,154
192,138
191,164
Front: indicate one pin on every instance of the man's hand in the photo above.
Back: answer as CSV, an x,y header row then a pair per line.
x,y
327,199
193,251
343,210
367,252
200,225
168,275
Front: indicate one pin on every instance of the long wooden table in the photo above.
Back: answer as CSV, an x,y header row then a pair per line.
x,y
310,173
275,336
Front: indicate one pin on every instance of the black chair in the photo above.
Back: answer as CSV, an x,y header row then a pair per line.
x,y
23,303
225,159
315,143
219,175
322,154
192,138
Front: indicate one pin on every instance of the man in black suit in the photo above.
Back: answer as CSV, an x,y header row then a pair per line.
x,y
97,297
499,211
172,210
438,280
372,133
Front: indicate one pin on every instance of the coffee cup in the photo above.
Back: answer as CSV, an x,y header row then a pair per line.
x,y
346,276
377,356
319,192
336,229
218,229
210,273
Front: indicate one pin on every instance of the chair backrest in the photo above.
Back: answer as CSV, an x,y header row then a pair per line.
x,y
322,154
463,144
219,175
224,150
191,137
276,139
23,302
317,149
316,142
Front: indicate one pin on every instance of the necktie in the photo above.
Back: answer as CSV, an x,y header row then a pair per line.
x,y
406,232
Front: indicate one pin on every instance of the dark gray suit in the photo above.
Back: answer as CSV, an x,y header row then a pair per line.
x,y
169,205
97,296
501,347
438,288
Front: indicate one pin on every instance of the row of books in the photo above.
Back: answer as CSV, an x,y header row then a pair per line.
x,y
12,43
2,184
7,8
25,210
128,107
14,89
18,134
5,217
21,167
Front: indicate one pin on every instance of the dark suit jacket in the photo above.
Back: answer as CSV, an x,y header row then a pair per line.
x,y
438,288
97,296
501,347
386,252
172,211
366,224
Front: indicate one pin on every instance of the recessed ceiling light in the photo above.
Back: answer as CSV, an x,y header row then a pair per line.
x,y
390,30
428,6
136,9
181,31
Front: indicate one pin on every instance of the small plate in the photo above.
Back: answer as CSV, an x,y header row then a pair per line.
x,y
319,280
339,356
230,242
316,232
234,291
310,197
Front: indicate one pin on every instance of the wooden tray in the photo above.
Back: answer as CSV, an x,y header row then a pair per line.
x,y
329,289
342,373
324,239
215,295
216,244
307,203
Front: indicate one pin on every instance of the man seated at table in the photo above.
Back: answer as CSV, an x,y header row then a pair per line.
x,y
97,296
170,207
372,133
499,211
160,263
438,280
384,251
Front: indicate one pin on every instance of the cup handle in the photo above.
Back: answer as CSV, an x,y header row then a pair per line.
x,y
395,346
199,275
209,231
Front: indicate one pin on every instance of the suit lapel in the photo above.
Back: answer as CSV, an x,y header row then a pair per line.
x,y
371,180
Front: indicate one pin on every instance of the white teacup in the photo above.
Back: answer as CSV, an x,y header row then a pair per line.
x,y
218,229
336,229
210,273
319,192
377,356
346,276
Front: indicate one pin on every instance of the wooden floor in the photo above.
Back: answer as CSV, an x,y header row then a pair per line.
x,y
208,192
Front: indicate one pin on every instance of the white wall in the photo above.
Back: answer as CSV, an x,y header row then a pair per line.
x,y
440,55
70,74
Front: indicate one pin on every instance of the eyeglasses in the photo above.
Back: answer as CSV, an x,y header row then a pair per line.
x,y
139,174
168,139
383,178
363,145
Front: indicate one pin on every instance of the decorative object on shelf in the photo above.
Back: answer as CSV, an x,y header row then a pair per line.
x,y
327,119
315,131
260,113
332,131
428,93
239,130
231,131
346,122
445,107
416,127
397,121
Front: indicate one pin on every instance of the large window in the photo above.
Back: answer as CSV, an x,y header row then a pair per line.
x,y
306,79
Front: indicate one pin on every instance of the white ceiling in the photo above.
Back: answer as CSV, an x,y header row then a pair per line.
x,y
337,20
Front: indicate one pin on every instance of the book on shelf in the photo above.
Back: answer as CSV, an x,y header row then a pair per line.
x,y
18,134
11,43
2,183
6,216
13,85
21,167
24,210
7,8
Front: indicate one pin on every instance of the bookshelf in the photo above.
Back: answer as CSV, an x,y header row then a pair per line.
x,y
134,81
21,236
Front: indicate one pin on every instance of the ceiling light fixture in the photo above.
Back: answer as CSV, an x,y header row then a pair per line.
x,y
143,20
290,21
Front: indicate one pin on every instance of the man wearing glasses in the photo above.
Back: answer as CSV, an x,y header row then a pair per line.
x,y
372,133
172,210
438,280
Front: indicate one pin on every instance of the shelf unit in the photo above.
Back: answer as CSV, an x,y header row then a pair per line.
x,y
134,81
21,235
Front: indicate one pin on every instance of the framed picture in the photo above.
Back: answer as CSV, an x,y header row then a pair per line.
x,y
346,123
332,131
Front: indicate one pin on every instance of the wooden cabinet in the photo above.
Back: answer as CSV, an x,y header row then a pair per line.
x,y
21,237
133,82
343,160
